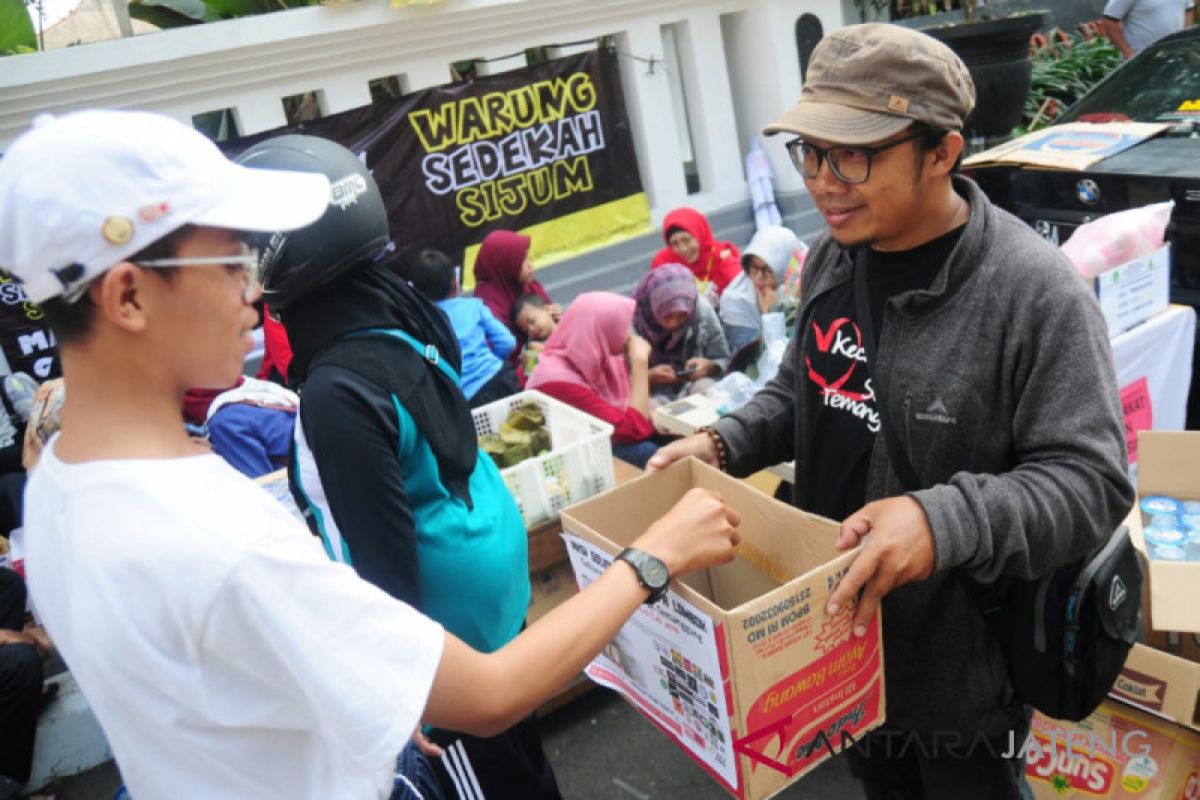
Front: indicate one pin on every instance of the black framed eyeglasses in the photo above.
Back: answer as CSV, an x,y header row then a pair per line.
x,y
849,163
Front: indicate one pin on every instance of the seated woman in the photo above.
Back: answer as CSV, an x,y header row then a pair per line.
x,y
688,347
583,365
503,272
771,266
690,242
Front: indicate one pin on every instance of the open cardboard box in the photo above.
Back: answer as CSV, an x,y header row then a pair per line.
x,y
1169,464
739,664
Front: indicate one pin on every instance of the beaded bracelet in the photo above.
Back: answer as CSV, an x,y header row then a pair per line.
x,y
719,445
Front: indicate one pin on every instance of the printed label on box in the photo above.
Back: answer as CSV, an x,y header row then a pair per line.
x,y
666,660
809,714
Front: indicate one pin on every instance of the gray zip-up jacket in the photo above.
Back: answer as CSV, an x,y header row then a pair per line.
x,y
999,382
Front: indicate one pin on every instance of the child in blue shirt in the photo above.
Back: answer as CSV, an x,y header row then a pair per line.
x,y
485,342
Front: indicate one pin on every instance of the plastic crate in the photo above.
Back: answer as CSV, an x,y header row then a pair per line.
x,y
577,466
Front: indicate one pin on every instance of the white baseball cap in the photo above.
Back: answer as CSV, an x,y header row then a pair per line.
x,y
82,192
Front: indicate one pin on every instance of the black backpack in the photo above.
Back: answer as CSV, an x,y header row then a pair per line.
x,y
1064,636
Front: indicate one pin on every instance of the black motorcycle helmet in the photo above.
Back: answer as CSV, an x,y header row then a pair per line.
x,y
353,231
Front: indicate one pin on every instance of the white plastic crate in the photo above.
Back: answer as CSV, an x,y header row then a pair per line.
x,y
577,466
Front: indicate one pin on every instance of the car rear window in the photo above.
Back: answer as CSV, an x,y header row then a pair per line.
x,y
1161,84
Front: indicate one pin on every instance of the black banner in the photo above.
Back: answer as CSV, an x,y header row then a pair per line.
x,y
515,150
26,342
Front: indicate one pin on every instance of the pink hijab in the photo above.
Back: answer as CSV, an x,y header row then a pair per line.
x,y
587,348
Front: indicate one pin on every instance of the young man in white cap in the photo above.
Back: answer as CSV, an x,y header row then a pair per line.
x,y
992,367
223,652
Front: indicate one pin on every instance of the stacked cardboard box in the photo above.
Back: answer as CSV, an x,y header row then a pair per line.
x,y
1151,752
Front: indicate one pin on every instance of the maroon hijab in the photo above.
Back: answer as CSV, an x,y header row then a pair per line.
x,y
497,269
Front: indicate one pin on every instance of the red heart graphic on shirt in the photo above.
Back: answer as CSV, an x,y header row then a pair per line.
x,y
824,343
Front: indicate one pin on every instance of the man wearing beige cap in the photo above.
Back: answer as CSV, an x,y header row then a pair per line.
x,y
930,312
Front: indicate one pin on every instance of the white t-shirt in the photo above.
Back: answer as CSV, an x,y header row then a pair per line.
x,y
224,654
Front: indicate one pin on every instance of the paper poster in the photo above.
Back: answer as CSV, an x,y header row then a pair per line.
x,y
665,659
1138,412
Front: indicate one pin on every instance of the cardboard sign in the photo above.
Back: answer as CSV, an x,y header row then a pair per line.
x,y
1074,145
740,664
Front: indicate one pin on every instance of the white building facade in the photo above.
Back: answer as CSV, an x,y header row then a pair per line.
x,y
701,77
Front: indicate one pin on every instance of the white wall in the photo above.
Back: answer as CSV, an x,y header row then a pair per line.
x,y
739,73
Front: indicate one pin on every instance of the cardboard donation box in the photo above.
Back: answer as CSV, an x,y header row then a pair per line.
x,y
1169,468
739,664
1117,752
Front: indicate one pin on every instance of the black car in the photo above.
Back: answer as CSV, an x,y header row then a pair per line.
x,y
1161,84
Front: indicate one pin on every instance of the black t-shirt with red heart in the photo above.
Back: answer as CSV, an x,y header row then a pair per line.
x,y
835,368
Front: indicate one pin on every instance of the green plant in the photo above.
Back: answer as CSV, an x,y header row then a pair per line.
x,y
16,28
1063,72
175,13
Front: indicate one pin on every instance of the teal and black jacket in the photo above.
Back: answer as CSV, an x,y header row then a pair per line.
x,y
386,461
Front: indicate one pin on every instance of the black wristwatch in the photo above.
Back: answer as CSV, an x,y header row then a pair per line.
x,y
651,572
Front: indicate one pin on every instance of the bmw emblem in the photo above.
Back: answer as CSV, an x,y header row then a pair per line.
x,y
1088,192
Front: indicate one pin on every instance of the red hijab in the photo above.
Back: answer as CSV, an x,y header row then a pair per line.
x,y
719,262
497,273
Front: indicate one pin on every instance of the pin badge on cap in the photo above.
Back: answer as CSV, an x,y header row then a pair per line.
x,y
898,104
149,213
117,230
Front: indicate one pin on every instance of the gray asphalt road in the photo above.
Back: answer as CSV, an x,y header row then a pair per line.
x,y
600,748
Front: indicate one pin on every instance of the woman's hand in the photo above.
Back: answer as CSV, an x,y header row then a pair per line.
x,y
702,368
766,298
663,374
555,310
638,349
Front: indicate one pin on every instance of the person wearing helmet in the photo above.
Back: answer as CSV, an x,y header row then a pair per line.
x,y
223,652
386,460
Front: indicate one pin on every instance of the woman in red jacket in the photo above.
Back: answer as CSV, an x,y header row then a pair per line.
x,y
690,242
584,365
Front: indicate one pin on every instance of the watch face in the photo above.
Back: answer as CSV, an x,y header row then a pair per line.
x,y
654,572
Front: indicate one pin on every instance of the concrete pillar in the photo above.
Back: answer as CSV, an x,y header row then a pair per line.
x,y
654,127
710,105
259,111
506,64
560,51
344,92
425,74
